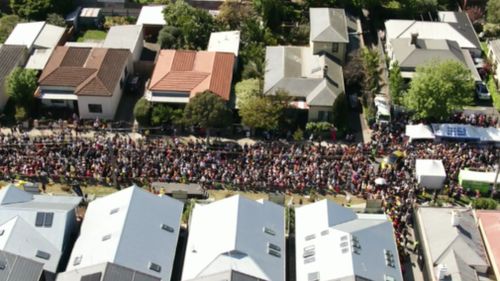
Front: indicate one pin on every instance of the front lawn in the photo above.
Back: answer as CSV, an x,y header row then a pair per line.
x,y
92,35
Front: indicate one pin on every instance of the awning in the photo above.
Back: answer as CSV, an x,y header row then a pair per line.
x,y
51,96
169,99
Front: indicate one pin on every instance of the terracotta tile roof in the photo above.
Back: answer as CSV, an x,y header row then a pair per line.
x,y
193,72
93,72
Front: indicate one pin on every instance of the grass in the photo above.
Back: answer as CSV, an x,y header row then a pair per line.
x,y
92,35
490,81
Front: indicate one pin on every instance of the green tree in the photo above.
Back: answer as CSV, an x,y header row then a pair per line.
x,y
493,11
21,86
341,112
396,84
207,110
231,13
246,90
273,12
142,112
31,9
7,24
261,112
195,24
56,19
438,89
170,37
161,114
371,86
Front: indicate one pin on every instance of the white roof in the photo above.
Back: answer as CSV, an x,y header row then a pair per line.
x,y
230,235
25,34
430,167
488,177
18,214
90,12
151,15
57,96
125,228
466,131
335,243
226,41
39,59
88,44
152,98
419,131
50,36
426,30
123,37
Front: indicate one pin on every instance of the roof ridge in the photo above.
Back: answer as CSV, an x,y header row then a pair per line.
x,y
86,81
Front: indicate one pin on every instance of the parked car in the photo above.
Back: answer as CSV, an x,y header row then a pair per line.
x,y
392,160
482,92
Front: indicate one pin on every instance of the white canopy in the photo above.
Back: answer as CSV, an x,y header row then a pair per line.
x,y
487,177
419,131
430,173
465,131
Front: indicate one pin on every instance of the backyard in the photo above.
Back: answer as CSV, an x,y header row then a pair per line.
x,y
92,36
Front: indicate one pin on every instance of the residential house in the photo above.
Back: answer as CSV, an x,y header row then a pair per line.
x,y
413,52
224,41
179,75
489,226
494,56
236,239
89,81
11,56
334,243
16,268
451,244
128,37
453,26
131,233
328,32
40,39
153,20
314,81
37,228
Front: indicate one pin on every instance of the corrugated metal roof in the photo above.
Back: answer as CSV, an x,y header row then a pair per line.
x,y
18,268
328,25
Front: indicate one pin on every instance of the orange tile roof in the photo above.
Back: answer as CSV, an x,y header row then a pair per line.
x,y
92,72
193,72
490,227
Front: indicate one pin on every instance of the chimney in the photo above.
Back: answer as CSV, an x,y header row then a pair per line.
x,y
454,219
325,71
414,37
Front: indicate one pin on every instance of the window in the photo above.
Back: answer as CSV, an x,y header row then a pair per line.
x,y
269,231
389,278
343,238
91,277
167,228
389,259
313,276
344,244
309,251
154,267
95,108
335,47
321,115
309,260
44,219
42,255
114,211
345,250
106,237
77,260
325,232
310,237
274,247
274,253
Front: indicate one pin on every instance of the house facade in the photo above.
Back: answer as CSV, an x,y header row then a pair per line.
x,y
88,81
328,32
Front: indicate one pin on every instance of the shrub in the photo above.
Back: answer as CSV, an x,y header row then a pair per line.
x,y
142,112
485,204
298,135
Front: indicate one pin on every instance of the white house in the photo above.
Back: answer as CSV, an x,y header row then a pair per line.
x,y
236,238
37,227
89,81
131,229
334,243
225,41
128,37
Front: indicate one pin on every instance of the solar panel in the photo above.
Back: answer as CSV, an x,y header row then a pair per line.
x,y
39,219
49,218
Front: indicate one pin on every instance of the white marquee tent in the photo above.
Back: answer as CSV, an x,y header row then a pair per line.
x,y
430,173
419,131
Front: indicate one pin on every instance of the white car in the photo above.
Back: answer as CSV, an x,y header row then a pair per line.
x,y
482,92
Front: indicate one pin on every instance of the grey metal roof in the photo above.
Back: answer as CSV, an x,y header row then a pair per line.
x,y
123,37
445,240
10,57
105,272
17,268
230,275
461,23
328,25
424,51
301,73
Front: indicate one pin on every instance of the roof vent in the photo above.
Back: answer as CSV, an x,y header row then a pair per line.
x,y
441,271
414,37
